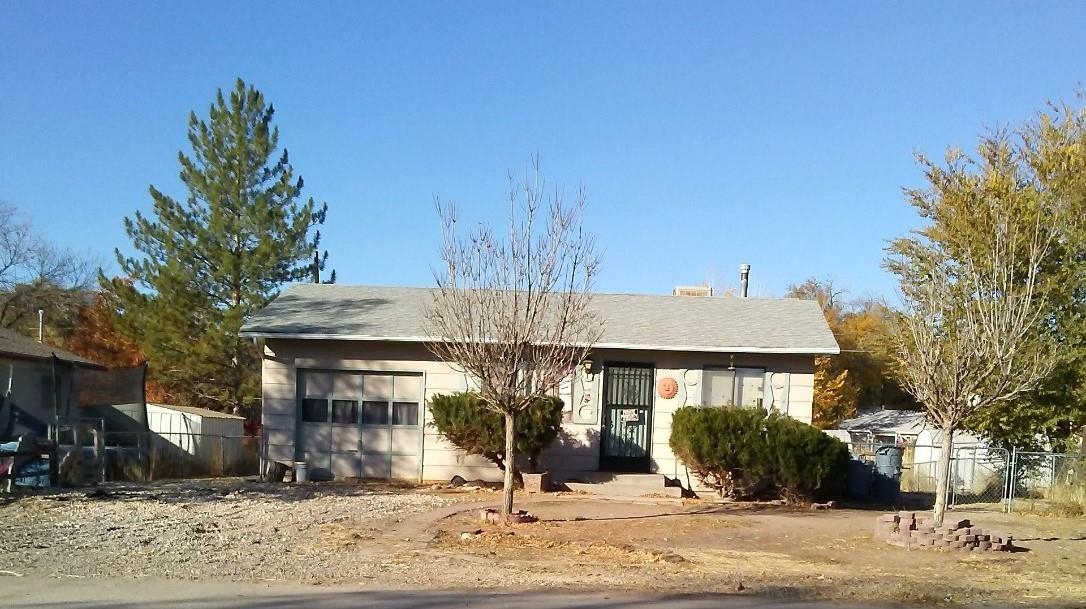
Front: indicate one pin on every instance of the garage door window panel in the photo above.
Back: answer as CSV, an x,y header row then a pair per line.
x,y
345,412
315,410
374,412
405,413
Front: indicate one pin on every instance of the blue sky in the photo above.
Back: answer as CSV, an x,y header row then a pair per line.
x,y
706,134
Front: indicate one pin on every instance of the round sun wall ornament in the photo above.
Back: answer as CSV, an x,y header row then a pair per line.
x,y
667,387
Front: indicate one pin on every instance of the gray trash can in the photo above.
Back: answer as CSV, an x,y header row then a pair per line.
x,y
887,486
860,478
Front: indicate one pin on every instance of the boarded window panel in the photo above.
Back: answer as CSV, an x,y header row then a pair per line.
x,y
374,412
377,387
408,388
318,384
345,411
405,413
346,384
718,387
315,410
749,386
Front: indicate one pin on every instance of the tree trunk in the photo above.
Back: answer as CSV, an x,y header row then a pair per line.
x,y
510,463
942,482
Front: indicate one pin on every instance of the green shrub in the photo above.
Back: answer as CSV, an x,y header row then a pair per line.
x,y
737,450
724,447
470,426
805,463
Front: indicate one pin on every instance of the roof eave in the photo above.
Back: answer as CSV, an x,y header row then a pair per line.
x,y
603,345
40,358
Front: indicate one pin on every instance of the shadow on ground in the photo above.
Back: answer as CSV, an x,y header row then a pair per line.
x,y
321,599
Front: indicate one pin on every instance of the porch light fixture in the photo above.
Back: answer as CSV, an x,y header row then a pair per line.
x,y
731,362
586,366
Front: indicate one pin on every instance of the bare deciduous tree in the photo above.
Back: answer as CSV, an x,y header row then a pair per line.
x,y
973,333
36,275
513,309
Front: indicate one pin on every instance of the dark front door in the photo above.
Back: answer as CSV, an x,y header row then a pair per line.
x,y
627,418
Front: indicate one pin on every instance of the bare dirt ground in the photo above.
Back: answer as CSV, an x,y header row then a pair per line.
x,y
386,537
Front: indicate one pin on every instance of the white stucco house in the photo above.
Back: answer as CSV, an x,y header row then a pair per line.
x,y
347,375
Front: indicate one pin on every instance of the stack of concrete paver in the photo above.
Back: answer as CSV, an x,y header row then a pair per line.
x,y
909,530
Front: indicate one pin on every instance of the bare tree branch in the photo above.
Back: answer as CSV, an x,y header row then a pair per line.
x,y
514,310
36,275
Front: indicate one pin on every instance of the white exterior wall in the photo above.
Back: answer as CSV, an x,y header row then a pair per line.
x,y
686,368
576,450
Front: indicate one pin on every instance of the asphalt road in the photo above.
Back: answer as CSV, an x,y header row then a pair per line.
x,y
84,593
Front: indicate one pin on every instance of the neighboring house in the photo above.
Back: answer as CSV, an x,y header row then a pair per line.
x,y
876,427
346,377
37,384
974,464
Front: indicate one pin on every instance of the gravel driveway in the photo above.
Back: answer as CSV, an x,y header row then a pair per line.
x,y
230,529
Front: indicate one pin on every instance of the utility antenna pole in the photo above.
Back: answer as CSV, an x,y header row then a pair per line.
x,y
41,325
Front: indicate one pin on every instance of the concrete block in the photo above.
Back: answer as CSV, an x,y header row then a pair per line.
x,y
537,483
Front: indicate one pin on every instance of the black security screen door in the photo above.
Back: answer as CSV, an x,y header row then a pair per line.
x,y
627,418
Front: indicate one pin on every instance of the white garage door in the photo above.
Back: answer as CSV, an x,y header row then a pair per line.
x,y
365,425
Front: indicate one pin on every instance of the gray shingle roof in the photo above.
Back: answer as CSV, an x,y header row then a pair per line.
x,y
13,344
886,421
631,321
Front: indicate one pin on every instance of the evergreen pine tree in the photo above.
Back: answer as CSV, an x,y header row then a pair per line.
x,y
207,262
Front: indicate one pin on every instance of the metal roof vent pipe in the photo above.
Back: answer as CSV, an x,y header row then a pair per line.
x,y
744,279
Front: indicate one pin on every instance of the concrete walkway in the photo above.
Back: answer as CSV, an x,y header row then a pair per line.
x,y
72,593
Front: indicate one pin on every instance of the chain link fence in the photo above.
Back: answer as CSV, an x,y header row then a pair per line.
x,y
1048,483
978,478
979,475
89,455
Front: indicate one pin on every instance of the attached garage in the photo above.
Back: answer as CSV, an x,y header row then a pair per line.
x,y
361,424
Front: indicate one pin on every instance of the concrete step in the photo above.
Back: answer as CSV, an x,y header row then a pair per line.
x,y
615,489
644,480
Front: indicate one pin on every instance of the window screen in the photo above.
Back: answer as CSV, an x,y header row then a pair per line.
x,y
374,413
315,410
405,413
345,411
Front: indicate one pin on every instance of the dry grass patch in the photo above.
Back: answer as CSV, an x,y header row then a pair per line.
x,y
507,542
